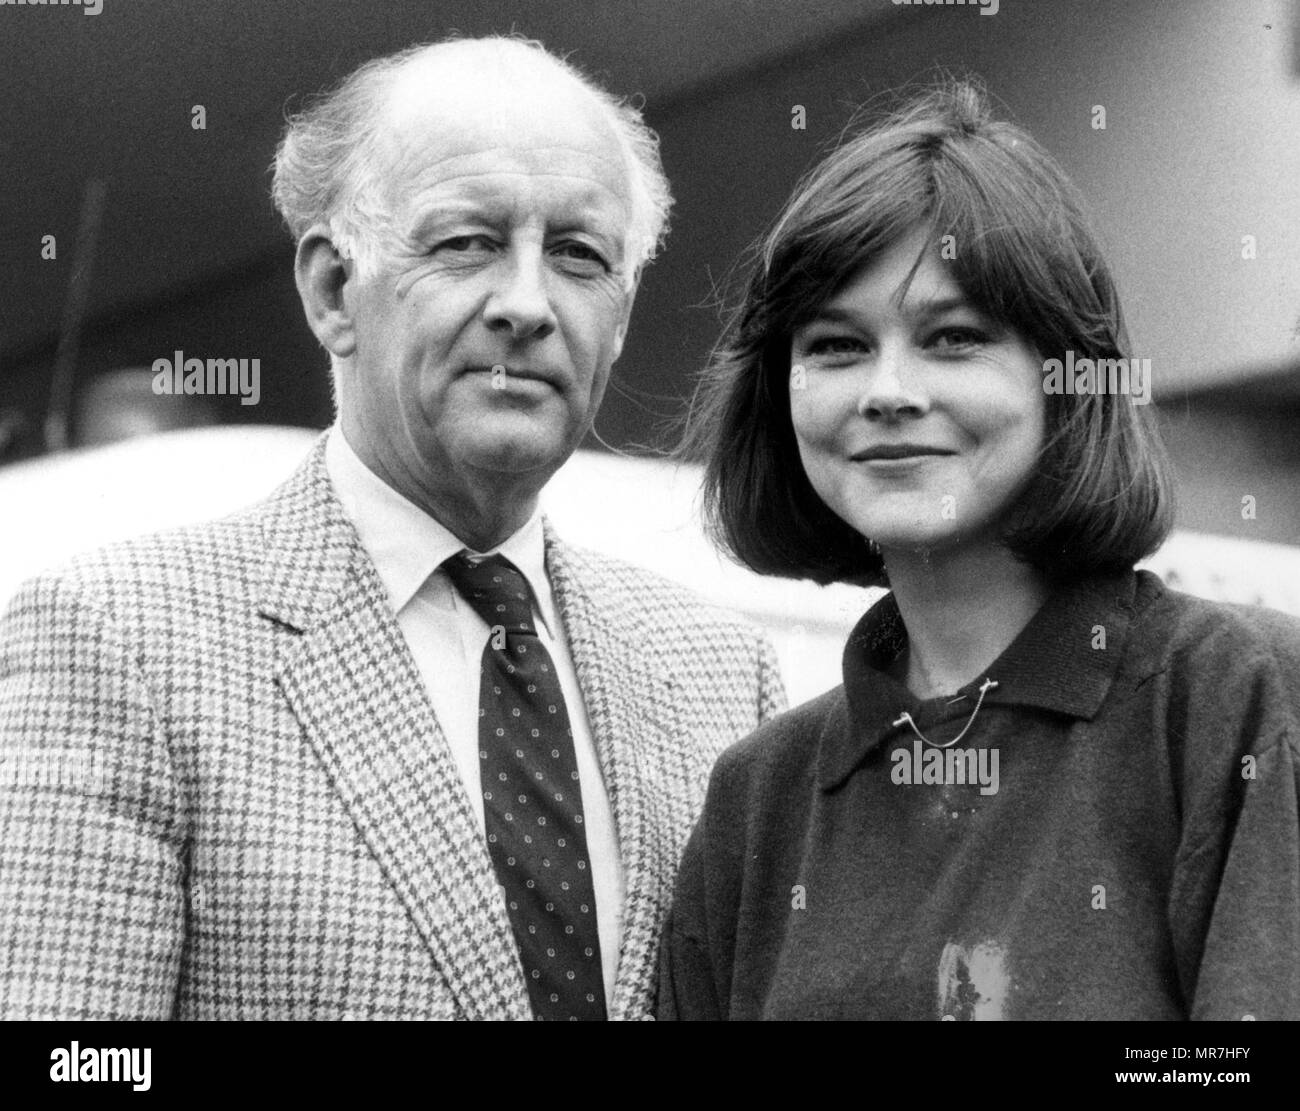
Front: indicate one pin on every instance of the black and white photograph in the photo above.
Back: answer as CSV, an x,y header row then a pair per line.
x,y
674,510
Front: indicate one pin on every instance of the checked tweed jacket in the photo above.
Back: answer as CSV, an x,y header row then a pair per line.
x,y
272,824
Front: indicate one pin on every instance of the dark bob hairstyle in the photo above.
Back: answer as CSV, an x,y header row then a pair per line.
x,y
1100,498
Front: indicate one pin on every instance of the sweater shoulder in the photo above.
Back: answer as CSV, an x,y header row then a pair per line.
x,y
1226,637
1226,672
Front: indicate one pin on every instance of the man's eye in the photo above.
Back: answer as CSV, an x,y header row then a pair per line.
x,y
462,243
580,252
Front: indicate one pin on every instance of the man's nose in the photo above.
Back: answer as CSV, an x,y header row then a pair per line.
x,y
520,303
891,387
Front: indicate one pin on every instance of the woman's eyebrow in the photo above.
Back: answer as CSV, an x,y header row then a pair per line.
x,y
828,314
935,306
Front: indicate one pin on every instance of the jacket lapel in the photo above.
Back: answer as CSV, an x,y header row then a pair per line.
x,y
358,694
631,706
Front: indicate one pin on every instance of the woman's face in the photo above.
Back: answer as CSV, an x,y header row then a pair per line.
x,y
918,422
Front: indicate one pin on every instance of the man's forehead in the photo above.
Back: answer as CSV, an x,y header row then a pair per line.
x,y
459,107
467,136
468,152
505,184
504,199
501,179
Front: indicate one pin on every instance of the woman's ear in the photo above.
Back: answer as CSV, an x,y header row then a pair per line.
x,y
321,273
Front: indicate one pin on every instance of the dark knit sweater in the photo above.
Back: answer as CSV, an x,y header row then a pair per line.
x,y
1139,859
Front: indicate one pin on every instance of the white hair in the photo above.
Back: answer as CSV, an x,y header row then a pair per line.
x,y
329,166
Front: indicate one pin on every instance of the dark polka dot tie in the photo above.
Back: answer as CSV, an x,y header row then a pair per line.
x,y
532,798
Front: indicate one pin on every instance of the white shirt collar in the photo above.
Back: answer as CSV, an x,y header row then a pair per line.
x,y
407,545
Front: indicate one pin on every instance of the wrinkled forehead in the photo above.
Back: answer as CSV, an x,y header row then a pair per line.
x,y
459,126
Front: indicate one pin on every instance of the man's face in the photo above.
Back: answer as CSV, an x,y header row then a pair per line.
x,y
484,342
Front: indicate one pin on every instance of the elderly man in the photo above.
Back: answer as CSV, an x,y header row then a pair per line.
x,y
385,746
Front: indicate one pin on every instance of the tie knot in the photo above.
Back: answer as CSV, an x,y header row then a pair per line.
x,y
497,590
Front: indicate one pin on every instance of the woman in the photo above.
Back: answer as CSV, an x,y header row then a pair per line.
x,y
1049,786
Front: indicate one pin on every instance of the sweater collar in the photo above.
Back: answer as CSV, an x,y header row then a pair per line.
x,y
1063,661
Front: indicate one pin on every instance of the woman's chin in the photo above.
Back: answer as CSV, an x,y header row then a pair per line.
x,y
929,543
913,536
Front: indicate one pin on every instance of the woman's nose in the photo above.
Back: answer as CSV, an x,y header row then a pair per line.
x,y
891,388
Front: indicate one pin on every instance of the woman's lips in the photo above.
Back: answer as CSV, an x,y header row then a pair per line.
x,y
897,452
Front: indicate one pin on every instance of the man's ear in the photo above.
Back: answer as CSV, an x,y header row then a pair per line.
x,y
321,273
620,329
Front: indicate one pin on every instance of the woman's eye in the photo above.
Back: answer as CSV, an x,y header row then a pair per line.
x,y
834,345
958,337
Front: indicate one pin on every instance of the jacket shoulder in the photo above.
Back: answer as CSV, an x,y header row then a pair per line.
x,y
653,599
211,553
785,749
215,557
204,569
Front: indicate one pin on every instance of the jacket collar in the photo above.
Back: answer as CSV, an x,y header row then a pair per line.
x,y
354,686
357,692
632,704
311,550
1059,663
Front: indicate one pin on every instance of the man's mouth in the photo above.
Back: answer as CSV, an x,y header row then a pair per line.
x,y
503,374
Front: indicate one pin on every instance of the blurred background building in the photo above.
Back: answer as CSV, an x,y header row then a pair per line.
x,y
1194,182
